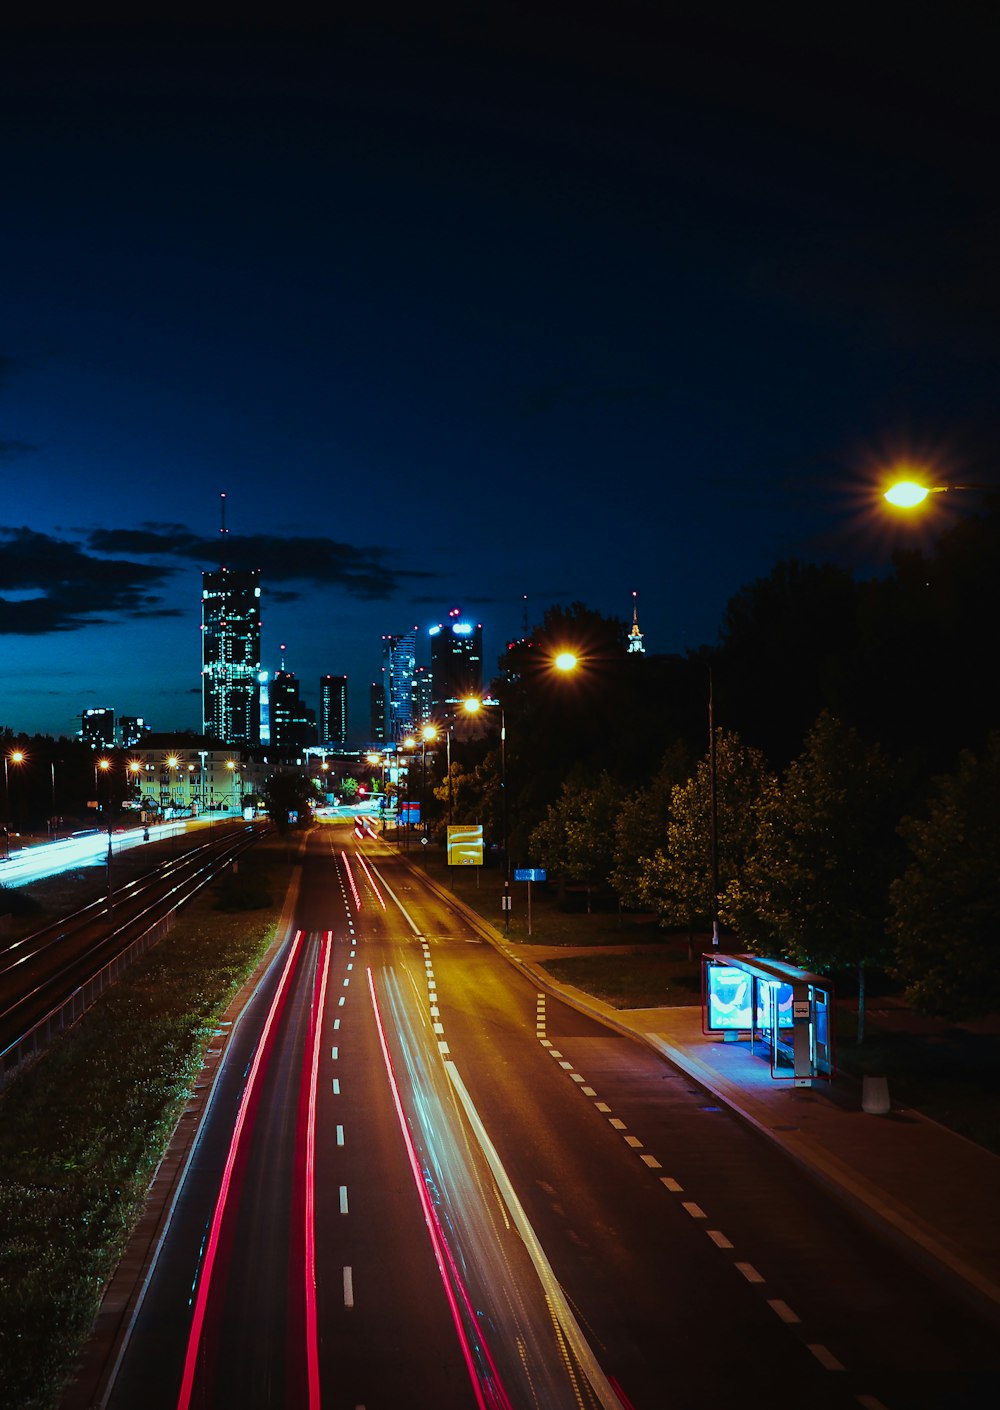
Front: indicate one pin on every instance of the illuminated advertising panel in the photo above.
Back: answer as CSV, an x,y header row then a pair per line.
x,y
730,998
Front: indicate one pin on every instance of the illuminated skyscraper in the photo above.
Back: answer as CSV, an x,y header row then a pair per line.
x,y
230,625
399,657
333,711
456,662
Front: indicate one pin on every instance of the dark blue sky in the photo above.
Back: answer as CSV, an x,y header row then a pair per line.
x,y
468,305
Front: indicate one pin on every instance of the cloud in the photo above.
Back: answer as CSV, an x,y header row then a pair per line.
x,y
54,584
13,450
51,585
361,571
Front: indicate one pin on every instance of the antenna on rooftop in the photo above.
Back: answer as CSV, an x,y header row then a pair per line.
x,y
223,531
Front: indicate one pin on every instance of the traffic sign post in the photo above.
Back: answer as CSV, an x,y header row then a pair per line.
x,y
529,874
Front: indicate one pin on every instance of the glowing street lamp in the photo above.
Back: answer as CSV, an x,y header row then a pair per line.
x,y
16,756
565,661
908,494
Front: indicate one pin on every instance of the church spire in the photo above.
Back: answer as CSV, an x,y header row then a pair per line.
x,y
635,635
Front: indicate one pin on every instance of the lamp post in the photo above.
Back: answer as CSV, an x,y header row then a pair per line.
x,y
907,494
16,756
428,733
234,777
104,766
472,705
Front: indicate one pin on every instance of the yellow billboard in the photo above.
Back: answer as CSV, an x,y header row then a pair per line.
x,y
465,846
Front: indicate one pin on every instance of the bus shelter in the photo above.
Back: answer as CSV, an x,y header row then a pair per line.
x,y
788,1010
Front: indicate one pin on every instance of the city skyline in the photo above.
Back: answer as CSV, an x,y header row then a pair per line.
x,y
507,314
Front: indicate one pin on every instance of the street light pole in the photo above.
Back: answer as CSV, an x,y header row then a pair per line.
x,y
16,756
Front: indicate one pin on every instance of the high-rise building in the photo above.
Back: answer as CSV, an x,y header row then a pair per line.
x,y
98,727
230,606
399,661
423,707
456,662
293,723
377,699
333,711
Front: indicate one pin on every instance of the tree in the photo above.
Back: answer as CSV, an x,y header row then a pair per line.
x,y
677,880
641,824
287,794
575,839
945,906
816,884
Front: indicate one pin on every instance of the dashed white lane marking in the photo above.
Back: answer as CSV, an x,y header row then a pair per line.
x,y
750,1273
340,1135
335,1053
824,1356
348,1287
783,1310
336,1024
336,1086
780,1308
343,1199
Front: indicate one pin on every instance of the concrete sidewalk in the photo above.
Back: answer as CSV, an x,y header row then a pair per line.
x,y
933,1192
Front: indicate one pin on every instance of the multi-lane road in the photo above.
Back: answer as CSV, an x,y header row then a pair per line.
x,y
422,1181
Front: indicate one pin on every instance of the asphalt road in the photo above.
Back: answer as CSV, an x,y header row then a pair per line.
x,y
445,1188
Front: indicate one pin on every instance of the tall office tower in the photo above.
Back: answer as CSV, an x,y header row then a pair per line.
x,y
399,659
293,723
333,711
456,662
378,712
230,625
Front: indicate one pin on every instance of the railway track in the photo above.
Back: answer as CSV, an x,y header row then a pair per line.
x,y
48,978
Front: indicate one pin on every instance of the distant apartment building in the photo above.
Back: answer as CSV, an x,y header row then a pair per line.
x,y
231,655
97,727
333,711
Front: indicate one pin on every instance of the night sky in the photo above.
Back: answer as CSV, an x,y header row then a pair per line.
x,y
466,305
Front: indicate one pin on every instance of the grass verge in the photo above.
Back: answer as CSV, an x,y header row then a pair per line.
x,y
81,1134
